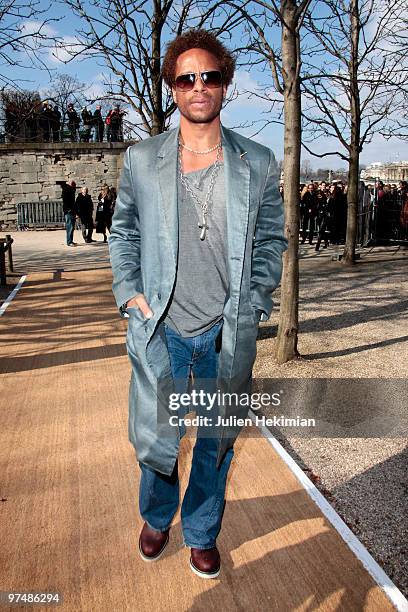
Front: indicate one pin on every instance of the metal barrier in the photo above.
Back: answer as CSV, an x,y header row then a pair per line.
x,y
40,214
381,220
390,219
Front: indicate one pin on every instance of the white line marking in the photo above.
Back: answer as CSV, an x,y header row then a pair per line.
x,y
11,296
371,565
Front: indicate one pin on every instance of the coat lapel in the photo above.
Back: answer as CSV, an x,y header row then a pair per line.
x,y
167,170
237,177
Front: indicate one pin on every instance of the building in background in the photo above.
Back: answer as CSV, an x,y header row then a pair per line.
x,y
391,172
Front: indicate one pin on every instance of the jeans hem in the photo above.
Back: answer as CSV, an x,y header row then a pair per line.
x,y
155,528
199,546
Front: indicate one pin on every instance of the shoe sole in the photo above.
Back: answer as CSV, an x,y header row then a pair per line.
x,y
205,575
149,559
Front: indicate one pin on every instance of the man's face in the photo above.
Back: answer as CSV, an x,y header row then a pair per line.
x,y
84,190
201,104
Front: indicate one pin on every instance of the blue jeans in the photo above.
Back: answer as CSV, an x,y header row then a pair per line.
x,y
69,226
204,499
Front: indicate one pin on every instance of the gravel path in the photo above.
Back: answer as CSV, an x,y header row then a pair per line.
x,y
353,324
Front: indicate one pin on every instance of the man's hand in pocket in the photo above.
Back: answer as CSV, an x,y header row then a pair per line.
x,y
139,301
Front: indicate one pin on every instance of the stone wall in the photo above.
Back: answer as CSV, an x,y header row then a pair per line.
x,y
29,171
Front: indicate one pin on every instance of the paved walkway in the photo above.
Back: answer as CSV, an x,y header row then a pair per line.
x,y
69,481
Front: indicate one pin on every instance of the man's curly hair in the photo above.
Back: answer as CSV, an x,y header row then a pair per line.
x,y
197,39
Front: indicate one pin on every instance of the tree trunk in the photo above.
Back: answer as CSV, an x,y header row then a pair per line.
x,y
352,210
157,117
286,342
354,149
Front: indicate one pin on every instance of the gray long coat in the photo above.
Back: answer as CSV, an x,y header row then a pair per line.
x,y
143,248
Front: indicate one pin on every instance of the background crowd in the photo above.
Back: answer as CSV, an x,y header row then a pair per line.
x,y
323,211
80,207
46,123
392,209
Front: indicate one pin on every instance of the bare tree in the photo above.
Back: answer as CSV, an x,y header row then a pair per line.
x,y
25,32
20,113
354,83
64,89
306,169
128,38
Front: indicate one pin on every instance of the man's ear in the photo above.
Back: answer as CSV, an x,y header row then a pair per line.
x,y
224,92
174,94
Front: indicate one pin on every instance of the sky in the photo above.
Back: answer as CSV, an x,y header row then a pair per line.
x,y
237,113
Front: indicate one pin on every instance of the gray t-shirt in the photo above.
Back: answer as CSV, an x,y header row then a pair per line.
x,y
202,277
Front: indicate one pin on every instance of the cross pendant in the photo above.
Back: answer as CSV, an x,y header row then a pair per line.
x,y
204,227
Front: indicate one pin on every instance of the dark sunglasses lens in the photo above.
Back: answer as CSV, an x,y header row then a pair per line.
x,y
185,82
212,78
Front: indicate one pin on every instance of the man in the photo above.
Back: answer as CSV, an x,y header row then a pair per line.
x,y
98,124
46,121
84,207
73,122
196,245
322,217
56,124
114,122
87,118
69,209
308,209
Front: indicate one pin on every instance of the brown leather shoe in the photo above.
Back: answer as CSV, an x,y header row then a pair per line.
x,y
205,563
152,543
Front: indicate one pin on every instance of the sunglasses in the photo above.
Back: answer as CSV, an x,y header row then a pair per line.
x,y
210,78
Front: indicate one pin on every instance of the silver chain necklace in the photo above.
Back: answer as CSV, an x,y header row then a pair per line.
x,y
200,152
204,205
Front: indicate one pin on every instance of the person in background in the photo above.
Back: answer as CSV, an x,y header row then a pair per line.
x,y
115,117
322,217
46,121
85,208
73,122
323,187
99,125
56,124
402,194
108,126
69,209
104,212
87,119
308,207
380,190
402,191
335,212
